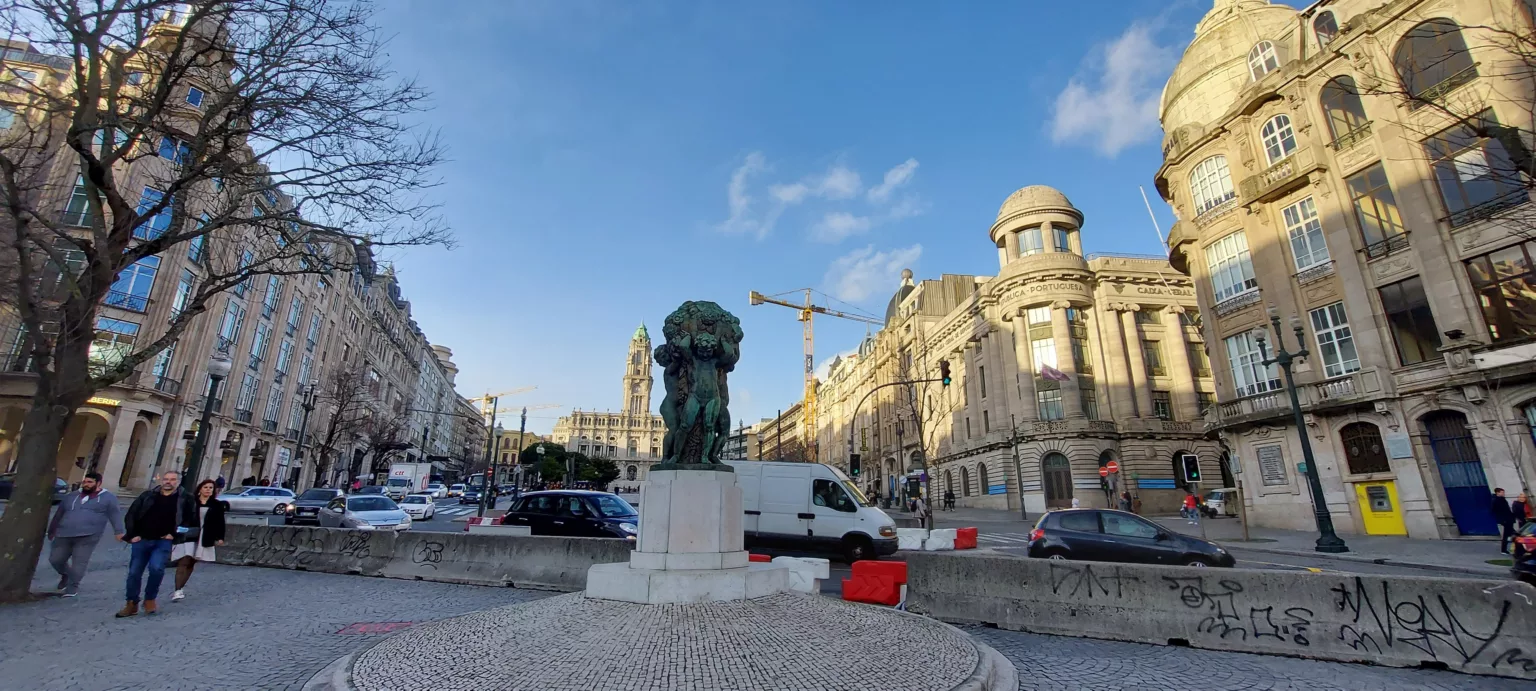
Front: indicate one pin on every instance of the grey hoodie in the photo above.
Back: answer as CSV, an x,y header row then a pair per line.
x,y
78,516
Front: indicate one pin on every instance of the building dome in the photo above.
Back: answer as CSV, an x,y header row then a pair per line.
x,y
894,306
1214,68
1033,198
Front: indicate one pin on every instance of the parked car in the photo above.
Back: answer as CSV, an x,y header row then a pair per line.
x,y
574,513
258,499
371,512
1220,502
1525,569
1525,541
437,490
1119,536
456,489
306,508
8,480
470,495
810,506
419,506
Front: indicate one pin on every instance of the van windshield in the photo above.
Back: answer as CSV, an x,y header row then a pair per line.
x,y
858,496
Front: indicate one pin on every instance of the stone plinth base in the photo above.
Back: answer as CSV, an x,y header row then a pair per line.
x,y
625,583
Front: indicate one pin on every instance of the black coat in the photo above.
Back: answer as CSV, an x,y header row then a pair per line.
x,y
213,523
1502,514
186,513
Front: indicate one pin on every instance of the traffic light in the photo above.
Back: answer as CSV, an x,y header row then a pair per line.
x,y
1191,466
944,372
853,464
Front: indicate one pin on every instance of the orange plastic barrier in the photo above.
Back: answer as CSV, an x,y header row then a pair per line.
x,y
965,538
759,557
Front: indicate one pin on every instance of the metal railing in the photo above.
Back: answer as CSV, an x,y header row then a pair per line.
x,y
1216,210
1236,302
167,385
1314,273
218,404
269,425
1348,140
1508,200
244,416
292,434
1382,248
1126,255
1445,86
126,301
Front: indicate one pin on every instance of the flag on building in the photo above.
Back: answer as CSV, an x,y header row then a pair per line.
x,y
1051,373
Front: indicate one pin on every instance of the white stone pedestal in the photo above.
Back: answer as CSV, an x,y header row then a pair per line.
x,y
689,548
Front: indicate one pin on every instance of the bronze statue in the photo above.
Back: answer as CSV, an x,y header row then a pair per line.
x,y
702,346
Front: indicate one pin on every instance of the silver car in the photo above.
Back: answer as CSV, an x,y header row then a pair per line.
x,y
367,512
258,499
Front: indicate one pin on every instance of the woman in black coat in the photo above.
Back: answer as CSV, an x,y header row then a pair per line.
x,y
210,534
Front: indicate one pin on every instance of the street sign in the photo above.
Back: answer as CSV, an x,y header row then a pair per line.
x,y
1104,471
1112,467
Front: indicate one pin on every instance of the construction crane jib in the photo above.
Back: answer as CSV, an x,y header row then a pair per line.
x,y
805,312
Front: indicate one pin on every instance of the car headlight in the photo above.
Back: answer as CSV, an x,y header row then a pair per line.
x,y
887,531
629,528
289,508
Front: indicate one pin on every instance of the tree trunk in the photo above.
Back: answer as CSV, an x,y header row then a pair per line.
x,y
25,521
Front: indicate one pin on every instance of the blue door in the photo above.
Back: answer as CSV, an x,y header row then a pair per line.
x,y
1461,472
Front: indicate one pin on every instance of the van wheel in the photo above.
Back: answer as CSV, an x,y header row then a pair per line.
x,y
857,549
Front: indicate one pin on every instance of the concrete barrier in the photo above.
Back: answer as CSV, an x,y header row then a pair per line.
x,y
1474,626
484,529
545,563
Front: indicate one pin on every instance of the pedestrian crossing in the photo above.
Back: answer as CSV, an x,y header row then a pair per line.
x,y
455,510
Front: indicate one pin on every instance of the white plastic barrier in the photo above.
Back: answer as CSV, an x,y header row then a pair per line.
x,y
939,540
805,573
911,538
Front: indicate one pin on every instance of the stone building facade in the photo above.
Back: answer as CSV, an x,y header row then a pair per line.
x,y
1061,363
632,437
1322,169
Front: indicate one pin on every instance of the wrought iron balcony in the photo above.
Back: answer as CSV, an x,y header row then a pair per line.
x,y
167,385
1447,85
1216,211
269,425
1314,273
1349,139
1237,302
126,301
292,434
1488,208
1280,178
1382,248
218,404
244,416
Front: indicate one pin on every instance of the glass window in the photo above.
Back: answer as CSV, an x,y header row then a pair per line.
x,y
1162,405
1381,227
229,329
1363,450
1433,58
1031,241
1262,60
371,503
1335,342
1325,27
1279,139
195,97
7,118
1341,104
247,397
1080,521
259,344
162,366
1190,317
1148,316
1307,244
1198,362
1249,373
1043,350
175,150
1204,400
1128,526
1231,269
284,355
1152,353
981,378
269,300
1063,239
1049,404
612,506
1090,398
1506,291
1211,184
114,341
131,290
156,225
1411,321
1475,174
830,495
1038,315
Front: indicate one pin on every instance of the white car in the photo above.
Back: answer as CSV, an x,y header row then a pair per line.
x,y
419,506
456,490
437,490
258,499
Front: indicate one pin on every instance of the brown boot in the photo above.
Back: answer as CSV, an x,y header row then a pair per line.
x,y
129,610
149,607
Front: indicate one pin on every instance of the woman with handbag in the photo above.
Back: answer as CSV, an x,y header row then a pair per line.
x,y
197,545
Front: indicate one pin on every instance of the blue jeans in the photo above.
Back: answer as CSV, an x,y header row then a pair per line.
x,y
151,554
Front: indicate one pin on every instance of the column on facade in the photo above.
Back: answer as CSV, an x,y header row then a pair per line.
x,y
119,441
1061,333
997,383
1122,399
1141,388
1027,411
1185,406
1010,246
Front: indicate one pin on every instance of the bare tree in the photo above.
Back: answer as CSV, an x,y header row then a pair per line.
x,y
385,436
268,134
345,395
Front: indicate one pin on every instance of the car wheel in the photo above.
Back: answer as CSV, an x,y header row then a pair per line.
x,y
1197,562
1056,556
857,548
279,509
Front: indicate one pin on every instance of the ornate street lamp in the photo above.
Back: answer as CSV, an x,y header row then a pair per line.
x,y
1327,540
219,367
307,398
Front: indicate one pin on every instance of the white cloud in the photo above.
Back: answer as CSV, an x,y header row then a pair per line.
x,y
825,368
836,225
895,177
864,272
1112,102
739,200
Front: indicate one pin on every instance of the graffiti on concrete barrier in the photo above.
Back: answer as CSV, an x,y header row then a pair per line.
x,y
1290,625
355,545
1515,658
1218,601
288,549
1081,579
1433,627
428,554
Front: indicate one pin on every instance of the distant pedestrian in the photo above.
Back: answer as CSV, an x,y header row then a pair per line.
x,y
949,500
1125,501
76,528
923,513
1521,510
1504,516
266,482
152,524
1191,509
198,546
218,484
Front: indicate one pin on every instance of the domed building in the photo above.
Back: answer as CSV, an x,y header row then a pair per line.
x,y
1062,364
1333,182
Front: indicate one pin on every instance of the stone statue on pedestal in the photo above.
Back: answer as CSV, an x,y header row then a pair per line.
x,y
703,344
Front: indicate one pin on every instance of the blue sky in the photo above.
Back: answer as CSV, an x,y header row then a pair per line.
x,y
613,159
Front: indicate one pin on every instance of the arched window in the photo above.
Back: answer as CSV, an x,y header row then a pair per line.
x,y
965,481
1325,27
1433,58
1262,60
1210,184
631,472
981,474
1279,139
1342,107
1363,450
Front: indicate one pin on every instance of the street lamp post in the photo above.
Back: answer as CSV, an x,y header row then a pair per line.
x,y
307,401
490,460
219,367
1327,540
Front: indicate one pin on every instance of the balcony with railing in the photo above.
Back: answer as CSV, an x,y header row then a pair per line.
x,y
1348,140
218,404
244,416
292,434
1487,209
1348,389
167,385
1270,183
269,425
1237,302
1382,248
1314,273
126,301
1221,208
1446,86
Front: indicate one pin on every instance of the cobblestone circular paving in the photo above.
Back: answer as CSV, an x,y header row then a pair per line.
x,y
786,641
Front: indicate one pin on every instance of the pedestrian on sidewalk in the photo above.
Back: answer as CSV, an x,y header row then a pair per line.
x,y
923,513
1125,501
153,522
198,546
219,483
1191,508
949,500
1521,510
76,529
1505,517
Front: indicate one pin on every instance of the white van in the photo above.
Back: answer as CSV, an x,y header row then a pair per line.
x,y
810,506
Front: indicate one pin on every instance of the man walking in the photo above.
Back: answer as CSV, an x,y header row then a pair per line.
x,y
76,528
154,520
1505,517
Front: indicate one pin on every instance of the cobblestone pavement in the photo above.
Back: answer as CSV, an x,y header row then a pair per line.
x,y
1049,663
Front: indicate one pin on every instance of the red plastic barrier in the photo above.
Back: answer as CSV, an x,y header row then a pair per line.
x,y
873,589
759,557
894,570
965,538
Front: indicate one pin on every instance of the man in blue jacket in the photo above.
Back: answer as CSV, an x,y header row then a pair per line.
x,y
76,528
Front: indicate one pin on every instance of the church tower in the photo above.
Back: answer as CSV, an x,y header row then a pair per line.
x,y
637,374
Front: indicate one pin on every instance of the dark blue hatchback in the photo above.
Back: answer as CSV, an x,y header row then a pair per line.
x,y
574,513
1109,535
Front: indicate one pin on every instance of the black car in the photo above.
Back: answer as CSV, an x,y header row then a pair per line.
x,y
1109,535
306,508
574,513
8,481
471,495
